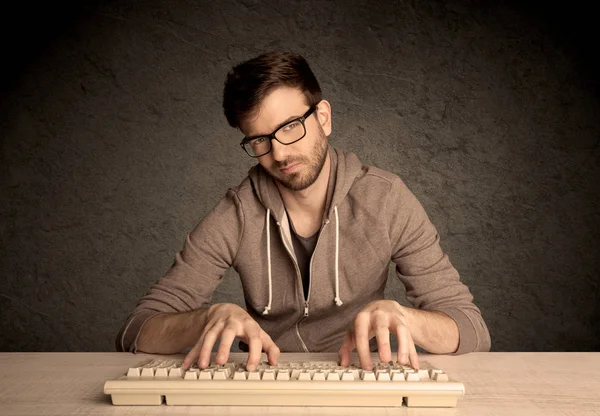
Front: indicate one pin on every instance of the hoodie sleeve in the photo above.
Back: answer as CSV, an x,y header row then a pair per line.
x,y
209,250
431,282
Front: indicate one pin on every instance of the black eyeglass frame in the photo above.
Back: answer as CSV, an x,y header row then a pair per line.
x,y
271,136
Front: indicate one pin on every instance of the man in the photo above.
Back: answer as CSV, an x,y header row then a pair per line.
x,y
311,232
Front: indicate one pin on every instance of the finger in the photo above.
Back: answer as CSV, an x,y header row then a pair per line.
x,y
270,348
191,356
346,349
254,351
227,338
382,333
206,347
403,344
414,357
194,353
361,341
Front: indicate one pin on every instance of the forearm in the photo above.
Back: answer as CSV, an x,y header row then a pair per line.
x,y
171,333
433,331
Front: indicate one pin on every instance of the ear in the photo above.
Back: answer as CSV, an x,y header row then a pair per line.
x,y
323,113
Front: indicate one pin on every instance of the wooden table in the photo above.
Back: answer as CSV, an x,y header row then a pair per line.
x,y
497,384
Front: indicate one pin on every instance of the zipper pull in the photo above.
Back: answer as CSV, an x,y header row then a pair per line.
x,y
306,308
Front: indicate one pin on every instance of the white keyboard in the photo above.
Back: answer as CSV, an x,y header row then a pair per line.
x,y
289,383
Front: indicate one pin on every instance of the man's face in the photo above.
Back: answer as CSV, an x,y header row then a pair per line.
x,y
295,166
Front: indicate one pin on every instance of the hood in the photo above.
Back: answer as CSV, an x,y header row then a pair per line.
x,y
345,166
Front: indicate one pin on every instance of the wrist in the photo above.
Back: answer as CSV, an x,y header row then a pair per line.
x,y
409,316
199,317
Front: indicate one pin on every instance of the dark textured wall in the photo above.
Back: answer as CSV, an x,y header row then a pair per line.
x,y
114,145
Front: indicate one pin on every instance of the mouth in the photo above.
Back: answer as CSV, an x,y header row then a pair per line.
x,y
291,168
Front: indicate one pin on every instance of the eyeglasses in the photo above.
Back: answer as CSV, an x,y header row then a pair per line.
x,y
288,133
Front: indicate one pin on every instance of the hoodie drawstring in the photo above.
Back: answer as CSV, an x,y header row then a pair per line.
x,y
268,307
337,299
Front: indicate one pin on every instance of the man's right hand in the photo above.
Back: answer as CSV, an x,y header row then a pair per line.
x,y
228,321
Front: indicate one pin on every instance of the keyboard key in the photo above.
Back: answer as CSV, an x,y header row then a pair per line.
x,y
191,374
175,372
319,376
440,376
398,376
268,374
412,376
147,373
368,376
283,375
383,376
347,376
254,375
304,376
333,376
423,374
220,374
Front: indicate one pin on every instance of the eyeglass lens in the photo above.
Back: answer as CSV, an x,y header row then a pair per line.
x,y
287,134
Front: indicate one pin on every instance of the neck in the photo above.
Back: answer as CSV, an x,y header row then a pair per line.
x,y
311,200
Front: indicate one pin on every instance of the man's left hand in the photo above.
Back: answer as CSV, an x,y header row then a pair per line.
x,y
378,319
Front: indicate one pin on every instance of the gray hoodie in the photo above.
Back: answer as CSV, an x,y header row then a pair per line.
x,y
370,218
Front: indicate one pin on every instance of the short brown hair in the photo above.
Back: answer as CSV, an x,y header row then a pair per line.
x,y
251,81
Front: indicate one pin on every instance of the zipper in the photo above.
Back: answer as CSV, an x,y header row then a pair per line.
x,y
307,300
299,276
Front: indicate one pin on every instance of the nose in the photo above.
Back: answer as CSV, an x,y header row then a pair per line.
x,y
279,151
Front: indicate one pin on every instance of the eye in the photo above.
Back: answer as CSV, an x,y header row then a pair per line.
x,y
258,141
291,126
